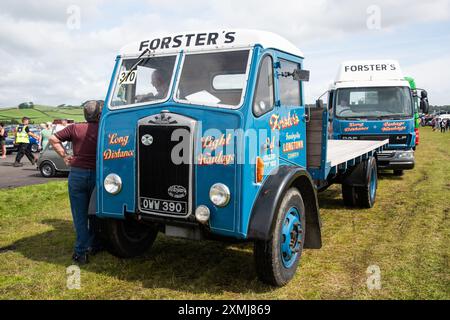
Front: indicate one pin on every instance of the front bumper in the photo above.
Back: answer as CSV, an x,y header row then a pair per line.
x,y
396,159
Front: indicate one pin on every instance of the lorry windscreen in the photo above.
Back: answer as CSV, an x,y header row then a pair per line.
x,y
373,102
143,81
213,79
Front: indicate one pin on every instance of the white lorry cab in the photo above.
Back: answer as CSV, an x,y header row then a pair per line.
x,y
372,100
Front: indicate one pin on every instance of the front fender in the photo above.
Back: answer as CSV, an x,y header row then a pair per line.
x,y
267,204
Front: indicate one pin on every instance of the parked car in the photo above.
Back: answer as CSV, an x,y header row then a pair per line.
x,y
35,145
10,146
50,163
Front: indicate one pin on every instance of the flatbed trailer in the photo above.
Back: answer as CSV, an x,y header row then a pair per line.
x,y
345,154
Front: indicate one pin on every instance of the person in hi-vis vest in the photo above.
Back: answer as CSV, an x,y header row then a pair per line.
x,y
23,134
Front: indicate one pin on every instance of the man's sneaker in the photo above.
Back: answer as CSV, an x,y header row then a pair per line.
x,y
17,164
80,258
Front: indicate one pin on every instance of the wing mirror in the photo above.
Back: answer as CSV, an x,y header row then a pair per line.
x,y
297,75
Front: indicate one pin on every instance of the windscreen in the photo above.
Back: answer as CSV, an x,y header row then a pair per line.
x,y
146,80
213,79
377,102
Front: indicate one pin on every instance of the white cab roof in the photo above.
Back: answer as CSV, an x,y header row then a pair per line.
x,y
369,73
210,40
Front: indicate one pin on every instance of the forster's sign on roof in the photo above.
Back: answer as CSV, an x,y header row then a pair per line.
x,y
189,40
370,70
210,40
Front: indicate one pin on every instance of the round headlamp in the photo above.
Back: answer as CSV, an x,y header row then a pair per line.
x,y
219,194
202,214
113,183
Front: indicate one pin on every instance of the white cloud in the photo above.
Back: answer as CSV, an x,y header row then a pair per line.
x,y
433,76
43,61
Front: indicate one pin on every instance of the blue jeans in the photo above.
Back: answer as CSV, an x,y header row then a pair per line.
x,y
81,185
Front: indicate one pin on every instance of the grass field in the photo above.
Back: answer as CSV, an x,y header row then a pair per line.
x,y
406,234
40,114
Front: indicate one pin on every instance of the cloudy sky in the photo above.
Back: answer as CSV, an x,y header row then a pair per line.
x,y
49,56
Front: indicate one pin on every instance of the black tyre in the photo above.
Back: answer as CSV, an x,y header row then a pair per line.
x,y
366,195
127,238
277,259
398,173
47,170
349,195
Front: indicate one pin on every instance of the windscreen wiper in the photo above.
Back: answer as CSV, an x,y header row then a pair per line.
x,y
135,65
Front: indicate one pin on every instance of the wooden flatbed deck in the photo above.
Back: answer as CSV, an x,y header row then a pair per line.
x,y
341,151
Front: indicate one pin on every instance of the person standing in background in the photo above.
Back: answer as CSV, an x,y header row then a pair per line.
x,y
46,133
443,125
3,140
23,134
62,125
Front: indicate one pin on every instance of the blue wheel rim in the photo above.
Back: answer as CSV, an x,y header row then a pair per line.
x,y
373,184
291,237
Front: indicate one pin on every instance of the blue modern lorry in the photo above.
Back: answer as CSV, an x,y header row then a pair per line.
x,y
205,135
372,100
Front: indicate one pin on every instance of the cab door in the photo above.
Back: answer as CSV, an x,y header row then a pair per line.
x,y
264,111
291,121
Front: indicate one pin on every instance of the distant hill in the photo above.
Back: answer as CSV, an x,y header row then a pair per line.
x,y
42,113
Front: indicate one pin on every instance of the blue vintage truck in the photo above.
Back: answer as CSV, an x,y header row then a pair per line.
x,y
205,135
372,100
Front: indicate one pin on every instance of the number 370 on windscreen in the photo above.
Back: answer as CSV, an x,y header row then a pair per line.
x,y
127,77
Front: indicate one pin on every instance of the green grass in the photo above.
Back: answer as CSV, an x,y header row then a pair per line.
x,y
40,114
407,234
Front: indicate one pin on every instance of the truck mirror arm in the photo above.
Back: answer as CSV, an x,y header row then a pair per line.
x,y
296,74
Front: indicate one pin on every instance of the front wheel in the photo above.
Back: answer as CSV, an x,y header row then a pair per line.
x,y
277,259
47,170
398,173
127,238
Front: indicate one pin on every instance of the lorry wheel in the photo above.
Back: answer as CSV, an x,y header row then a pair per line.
x,y
398,173
47,170
127,238
366,195
348,195
277,259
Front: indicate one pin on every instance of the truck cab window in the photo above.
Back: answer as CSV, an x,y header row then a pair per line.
x,y
213,79
289,88
264,97
143,81
373,102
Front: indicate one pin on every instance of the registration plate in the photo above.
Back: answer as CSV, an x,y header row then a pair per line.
x,y
163,206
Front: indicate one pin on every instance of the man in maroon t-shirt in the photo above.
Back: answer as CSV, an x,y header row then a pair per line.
x,y
82,175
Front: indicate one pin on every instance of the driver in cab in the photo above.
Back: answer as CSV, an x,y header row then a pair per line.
x,y
160,82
